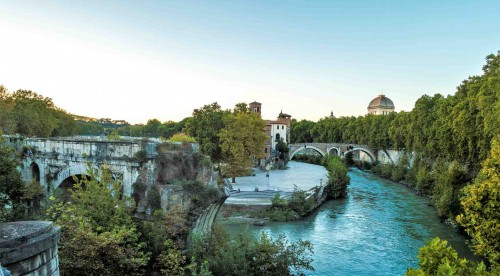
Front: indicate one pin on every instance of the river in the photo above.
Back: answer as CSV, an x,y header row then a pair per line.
x,y
376,230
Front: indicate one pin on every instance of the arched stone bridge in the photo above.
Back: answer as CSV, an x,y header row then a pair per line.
x,y
338,149
53,161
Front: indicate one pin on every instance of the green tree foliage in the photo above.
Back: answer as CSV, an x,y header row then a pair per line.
x,y
98,234
481,208
31,114
165,236
151,128
437,258
449,179
300,132
11,186
170,128
294,208
205,126
182,137
248,255
400,170
283,150
113,136
242,141
337,177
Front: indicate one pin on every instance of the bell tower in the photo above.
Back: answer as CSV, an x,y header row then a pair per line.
x,y
256,108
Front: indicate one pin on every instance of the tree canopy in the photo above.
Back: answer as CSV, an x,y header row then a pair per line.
x,y
30,114
205,126
242,141
481,208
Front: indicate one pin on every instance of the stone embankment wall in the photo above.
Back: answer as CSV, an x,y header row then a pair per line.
x,y
29,248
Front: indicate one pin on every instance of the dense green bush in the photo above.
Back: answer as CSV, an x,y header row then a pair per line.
x,y
449,178
282,209
437,258
337,177
308,158
400,169
154,199
248,255
98,234
299,203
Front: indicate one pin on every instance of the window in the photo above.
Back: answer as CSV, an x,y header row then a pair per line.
x,y
277,137
282,127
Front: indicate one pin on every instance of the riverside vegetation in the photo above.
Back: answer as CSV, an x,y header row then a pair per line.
x,y
453,141
299,205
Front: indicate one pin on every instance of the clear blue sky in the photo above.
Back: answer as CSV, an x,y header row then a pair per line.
x,y
137,60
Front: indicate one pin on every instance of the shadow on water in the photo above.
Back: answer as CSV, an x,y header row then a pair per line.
x,y
376,230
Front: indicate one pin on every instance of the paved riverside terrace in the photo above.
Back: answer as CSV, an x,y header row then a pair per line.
x,y
303,176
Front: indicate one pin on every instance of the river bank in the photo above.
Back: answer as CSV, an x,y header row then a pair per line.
x,y
300,183
376,230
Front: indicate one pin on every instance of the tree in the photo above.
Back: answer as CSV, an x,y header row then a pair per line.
x,y
182,137
205,126
31,114
151,128
437,258
11,186
242,141
481,208
98,234
249,255
7,123
113,136
337,177
283,150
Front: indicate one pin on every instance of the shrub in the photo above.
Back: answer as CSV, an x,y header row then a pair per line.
x,y
448,180
248,255
437,258
337,177
400,170
154,199
98,234
299,204
140,156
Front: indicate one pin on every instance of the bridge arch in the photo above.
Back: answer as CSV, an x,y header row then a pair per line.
x,y
333,151
306,147
34,171
367,151
81,169
207,217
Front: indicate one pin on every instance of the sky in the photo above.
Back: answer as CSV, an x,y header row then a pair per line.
x,y
138,60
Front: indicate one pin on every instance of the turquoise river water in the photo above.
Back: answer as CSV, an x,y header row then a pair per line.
x,y
376,230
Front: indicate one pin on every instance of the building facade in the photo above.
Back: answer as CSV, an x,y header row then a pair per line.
x,y
275,130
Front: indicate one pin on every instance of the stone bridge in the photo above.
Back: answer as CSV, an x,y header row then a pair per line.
x,y
54,161
361,152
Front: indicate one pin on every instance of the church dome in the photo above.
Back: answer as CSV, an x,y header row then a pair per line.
x,y
381,102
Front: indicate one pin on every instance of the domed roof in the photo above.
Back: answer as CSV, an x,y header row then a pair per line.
x,y
381,101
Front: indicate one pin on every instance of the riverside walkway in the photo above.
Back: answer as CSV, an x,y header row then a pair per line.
x,y
298,175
